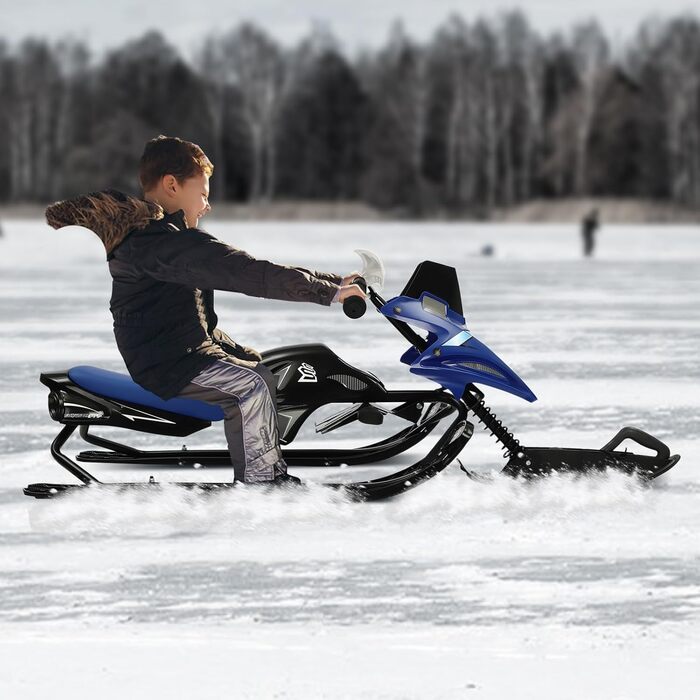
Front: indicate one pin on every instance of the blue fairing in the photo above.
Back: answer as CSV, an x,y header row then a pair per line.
x,y
453,358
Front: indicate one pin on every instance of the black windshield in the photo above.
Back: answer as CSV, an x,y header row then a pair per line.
x,y
440,280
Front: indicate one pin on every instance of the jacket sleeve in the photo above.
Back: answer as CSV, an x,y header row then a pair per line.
x,y
195,258
328,276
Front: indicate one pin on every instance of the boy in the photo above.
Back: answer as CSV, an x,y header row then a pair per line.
x,y
164,271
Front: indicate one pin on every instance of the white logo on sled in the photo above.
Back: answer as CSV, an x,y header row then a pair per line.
x,y
91,413
308,373
143,415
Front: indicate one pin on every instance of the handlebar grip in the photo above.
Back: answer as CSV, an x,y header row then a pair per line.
x,y
355,307
361,282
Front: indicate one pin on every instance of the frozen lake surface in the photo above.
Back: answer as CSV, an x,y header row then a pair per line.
x,y
564,588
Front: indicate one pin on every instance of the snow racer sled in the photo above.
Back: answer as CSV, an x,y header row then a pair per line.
x,y
312,376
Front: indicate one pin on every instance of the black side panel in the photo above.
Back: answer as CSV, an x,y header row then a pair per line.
x,y
440,280
313,375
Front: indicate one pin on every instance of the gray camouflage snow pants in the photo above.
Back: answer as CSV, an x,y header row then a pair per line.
x,y
246,393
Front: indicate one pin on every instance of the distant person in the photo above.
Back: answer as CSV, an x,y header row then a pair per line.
x,y
589,227
487,251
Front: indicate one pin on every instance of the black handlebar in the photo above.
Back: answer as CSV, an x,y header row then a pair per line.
x,y
355,306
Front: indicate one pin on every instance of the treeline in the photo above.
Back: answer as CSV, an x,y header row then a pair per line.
x,y
486,114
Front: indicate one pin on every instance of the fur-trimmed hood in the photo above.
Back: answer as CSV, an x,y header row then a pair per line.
x,y
110,214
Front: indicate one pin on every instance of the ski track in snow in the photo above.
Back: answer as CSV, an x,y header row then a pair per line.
x,y
563,566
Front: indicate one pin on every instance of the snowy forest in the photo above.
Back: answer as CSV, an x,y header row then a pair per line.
x,y
486,114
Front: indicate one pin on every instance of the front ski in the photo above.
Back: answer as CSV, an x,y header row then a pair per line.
x,y
541,461
530,462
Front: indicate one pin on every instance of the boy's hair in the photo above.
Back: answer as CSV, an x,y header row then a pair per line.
x,y
169,155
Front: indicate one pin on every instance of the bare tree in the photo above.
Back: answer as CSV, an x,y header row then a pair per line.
x,y
456,61
249,60
72,118
405,90
211,65
34,94
521,95
591,55
396,80
680,57
5,91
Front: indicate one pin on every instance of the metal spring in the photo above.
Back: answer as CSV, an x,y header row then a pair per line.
x,y
511,445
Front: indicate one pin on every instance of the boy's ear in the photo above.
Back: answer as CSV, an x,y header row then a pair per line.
x,y
170,184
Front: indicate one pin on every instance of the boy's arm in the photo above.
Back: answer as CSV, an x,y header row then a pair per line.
x,y
197,259
328,276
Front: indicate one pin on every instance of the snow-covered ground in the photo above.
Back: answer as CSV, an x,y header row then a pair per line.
x,y
562,589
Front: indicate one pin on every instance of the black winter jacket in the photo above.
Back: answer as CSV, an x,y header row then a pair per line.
x,y
164,274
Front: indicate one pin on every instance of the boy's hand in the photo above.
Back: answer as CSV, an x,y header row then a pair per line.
x,y
348,290
349,278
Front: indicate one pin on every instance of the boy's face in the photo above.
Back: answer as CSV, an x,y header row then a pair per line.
x,y
192,196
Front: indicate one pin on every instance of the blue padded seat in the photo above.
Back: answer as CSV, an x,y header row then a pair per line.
x,y
122,387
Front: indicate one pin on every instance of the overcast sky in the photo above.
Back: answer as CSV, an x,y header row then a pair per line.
x,y
356,23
